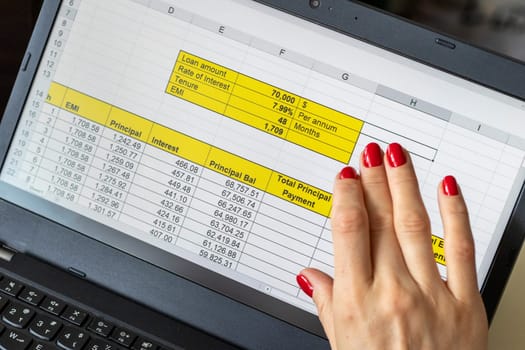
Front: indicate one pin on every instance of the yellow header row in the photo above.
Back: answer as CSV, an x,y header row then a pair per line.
x,y
265,107
191,149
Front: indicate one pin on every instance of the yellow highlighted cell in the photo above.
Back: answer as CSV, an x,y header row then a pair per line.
x,y
438,246
268,90
196,98
176,143
324,112
204,66
129,124
258,123
323,148
189,77
321,135
326,125
86,106
259,112
238,168
300,193
56,94
261,101
219,84
201,88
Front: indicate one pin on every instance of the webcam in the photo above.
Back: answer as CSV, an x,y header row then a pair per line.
x,y
315,3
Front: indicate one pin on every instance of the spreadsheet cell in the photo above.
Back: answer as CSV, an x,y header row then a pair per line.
x,y
273,211
283,238
497,192
325,246
328,269
224,187
494,203
269,245
207,232
287,229
197,214
488,214
470,175
389,136
292,212
156,183
507,171
213,246
472,141
279,76
150,222
327,231
340,89
156,205
217,207
408,119
326,258
274,264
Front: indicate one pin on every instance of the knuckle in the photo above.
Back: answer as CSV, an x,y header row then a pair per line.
x,y
380,221
397,297
413,221
463,249
399,304
349,221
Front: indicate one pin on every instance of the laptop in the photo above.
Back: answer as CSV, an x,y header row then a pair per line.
x,y
167,165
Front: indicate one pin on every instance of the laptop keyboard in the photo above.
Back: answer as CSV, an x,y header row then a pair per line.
x,y
32,320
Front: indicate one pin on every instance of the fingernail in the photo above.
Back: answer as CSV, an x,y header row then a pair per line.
x,y
348,173
450,186
395,155
305,285
372,156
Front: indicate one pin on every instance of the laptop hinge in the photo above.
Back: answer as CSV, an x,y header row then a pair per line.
x,y
6,253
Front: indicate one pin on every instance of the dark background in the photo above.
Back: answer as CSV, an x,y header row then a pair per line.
x,y
17,18
498,25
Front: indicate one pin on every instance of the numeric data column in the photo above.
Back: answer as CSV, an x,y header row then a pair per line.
x,y
220,220
69,154
117,159
224,208
36,151
162,192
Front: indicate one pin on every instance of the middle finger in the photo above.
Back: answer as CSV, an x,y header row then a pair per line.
x,y
386,254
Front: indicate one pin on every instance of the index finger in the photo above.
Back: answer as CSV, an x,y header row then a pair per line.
x,y
350,232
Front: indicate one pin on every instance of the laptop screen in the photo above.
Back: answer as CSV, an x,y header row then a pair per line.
x,y
213,130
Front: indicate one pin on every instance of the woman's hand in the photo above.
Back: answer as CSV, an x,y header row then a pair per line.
x,y
387,292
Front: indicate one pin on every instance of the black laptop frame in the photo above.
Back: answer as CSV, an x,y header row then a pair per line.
x,y
71,250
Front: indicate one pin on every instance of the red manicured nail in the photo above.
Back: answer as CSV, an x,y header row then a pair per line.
x,y
305,285
450,186
348,173
372,156
395,155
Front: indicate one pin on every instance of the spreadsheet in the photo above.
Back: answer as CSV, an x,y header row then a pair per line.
x,y
212,143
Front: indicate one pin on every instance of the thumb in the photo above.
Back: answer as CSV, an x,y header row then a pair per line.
x,y
319,285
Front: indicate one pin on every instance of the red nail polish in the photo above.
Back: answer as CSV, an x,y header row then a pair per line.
x,y
305,285
450,186
395,155
372,156
348,173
